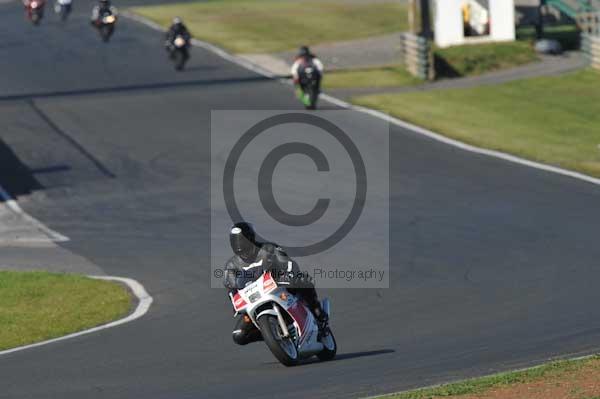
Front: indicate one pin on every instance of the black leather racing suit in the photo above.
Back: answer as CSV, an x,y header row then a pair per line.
x,y
272,258
100,11
174,31
178,30
299,74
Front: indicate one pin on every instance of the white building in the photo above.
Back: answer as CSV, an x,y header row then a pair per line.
x,y
473,21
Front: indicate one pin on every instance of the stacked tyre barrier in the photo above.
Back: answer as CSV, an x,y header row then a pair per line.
x,y
590,45
417,55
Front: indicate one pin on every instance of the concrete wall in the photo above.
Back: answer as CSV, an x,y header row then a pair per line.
x,y
502,15
448,23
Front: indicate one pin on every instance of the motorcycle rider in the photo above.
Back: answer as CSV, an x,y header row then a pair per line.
x,y
103,8
63,3
39,4
177,28
251,259
305,59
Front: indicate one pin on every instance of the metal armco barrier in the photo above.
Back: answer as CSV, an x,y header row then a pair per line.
x,y
590,45
417,55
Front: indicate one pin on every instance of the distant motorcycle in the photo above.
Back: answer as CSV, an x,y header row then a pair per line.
x,y
106,25
287,325
309,88
179,51
34,10
62,8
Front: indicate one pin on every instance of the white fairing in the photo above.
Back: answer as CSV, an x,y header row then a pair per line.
x,y
258,298
179,42
109,19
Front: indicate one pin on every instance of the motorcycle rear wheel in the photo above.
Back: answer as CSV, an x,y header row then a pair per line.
x,y
313,96
284,349
330,348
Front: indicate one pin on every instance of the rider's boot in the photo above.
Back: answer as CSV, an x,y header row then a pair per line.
x,y
322,320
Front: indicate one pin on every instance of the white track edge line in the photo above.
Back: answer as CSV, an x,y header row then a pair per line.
x,y
378,114
12,204
144,302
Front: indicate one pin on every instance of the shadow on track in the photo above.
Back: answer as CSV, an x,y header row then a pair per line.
x,y
103,169
133,88
17,179
354,355
344,356
199,68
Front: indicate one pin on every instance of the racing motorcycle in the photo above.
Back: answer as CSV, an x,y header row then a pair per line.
x,y
106,25
287,325
308,92
34,10
63,8
178,52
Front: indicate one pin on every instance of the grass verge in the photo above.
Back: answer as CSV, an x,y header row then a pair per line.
x,y
265,26
568,379
456,61
552,120
37,306
391,76
475,59
568,35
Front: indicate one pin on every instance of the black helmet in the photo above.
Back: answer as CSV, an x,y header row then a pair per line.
x,y
304,51
243,241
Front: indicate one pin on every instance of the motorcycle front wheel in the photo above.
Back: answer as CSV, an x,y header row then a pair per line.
x,y
64,13
284,349
106,32
179,60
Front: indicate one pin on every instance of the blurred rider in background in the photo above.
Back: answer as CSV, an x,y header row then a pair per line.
x,y
305,59
103,8
177,29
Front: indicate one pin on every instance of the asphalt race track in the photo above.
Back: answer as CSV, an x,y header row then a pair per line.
x,y
494,265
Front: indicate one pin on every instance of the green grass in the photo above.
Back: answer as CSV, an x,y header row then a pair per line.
x,y
475,59
36,306
391,76
265,26
478,385
567,35
450,62
554,120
